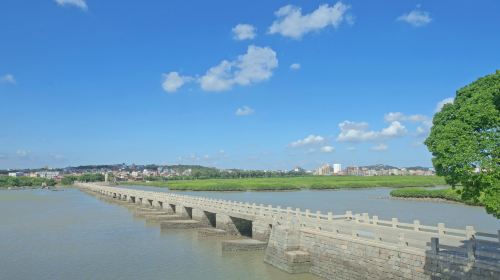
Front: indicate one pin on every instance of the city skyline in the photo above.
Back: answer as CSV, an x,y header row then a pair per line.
x,y
267,86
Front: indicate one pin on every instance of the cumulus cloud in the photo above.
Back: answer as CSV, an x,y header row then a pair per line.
x,y
295,66
244,32
309,140
379,147
8,79
327,149
77,3
358,132
443,102
400,117
256,65
173,81
244,111
292,23
416,18
395,129
22,153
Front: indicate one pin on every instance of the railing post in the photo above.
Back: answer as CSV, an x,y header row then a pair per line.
x,y
348,215
471,249
416,225
330,216
395,222
318,220
469,232
441,227
375,220
435,245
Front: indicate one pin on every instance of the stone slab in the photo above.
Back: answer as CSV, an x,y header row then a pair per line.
x,y
243,245
211,232
179,224
162,217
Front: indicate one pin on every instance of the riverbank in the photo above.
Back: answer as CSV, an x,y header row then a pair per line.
x,y
296,183
440,195
13,182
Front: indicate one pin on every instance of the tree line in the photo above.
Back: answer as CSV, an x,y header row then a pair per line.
x,y
213,173
7,181
90,177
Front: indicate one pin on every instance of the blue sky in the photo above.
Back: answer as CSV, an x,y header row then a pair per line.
x,y
245,84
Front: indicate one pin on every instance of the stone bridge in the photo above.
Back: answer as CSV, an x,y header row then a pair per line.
x,y
340,246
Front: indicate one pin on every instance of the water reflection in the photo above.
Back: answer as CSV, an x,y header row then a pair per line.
x,y
71,235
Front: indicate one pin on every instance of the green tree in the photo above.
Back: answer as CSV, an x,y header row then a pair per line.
x,y
465,142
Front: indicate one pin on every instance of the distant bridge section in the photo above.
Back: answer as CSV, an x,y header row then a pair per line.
x,y
344,246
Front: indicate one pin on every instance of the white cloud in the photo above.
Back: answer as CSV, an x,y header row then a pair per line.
x,y
291,23
443,102
254,66
327,149
400,117
355,132
8,79
295,66
395,129
173,81
380,147
22,153
358,132
244,111
244,32
309,140
77,3
416,17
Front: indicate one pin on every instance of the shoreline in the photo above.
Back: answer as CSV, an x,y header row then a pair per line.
x,y
428,199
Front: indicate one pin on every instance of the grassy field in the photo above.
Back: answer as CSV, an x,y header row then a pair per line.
x,y
296,183
447,194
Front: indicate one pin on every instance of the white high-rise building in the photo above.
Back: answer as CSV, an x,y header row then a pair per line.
x,y
337,168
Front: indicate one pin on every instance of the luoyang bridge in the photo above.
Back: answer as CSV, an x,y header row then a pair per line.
x,y
340,246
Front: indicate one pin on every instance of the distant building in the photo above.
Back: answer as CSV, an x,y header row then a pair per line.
x,y
353,171
48,174
337,168
325,169
298,169
16,174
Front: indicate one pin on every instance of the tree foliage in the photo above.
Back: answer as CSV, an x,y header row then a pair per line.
x,y
7,181
89,177
465,142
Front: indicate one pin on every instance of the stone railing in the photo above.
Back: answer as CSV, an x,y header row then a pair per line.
x,y
439,239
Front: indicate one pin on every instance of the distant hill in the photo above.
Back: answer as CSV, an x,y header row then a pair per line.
x,y
384,166
379,167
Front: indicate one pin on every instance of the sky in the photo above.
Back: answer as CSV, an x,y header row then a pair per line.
x,y
234,84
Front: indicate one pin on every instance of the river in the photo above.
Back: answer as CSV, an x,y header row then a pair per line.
x,y
68,234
